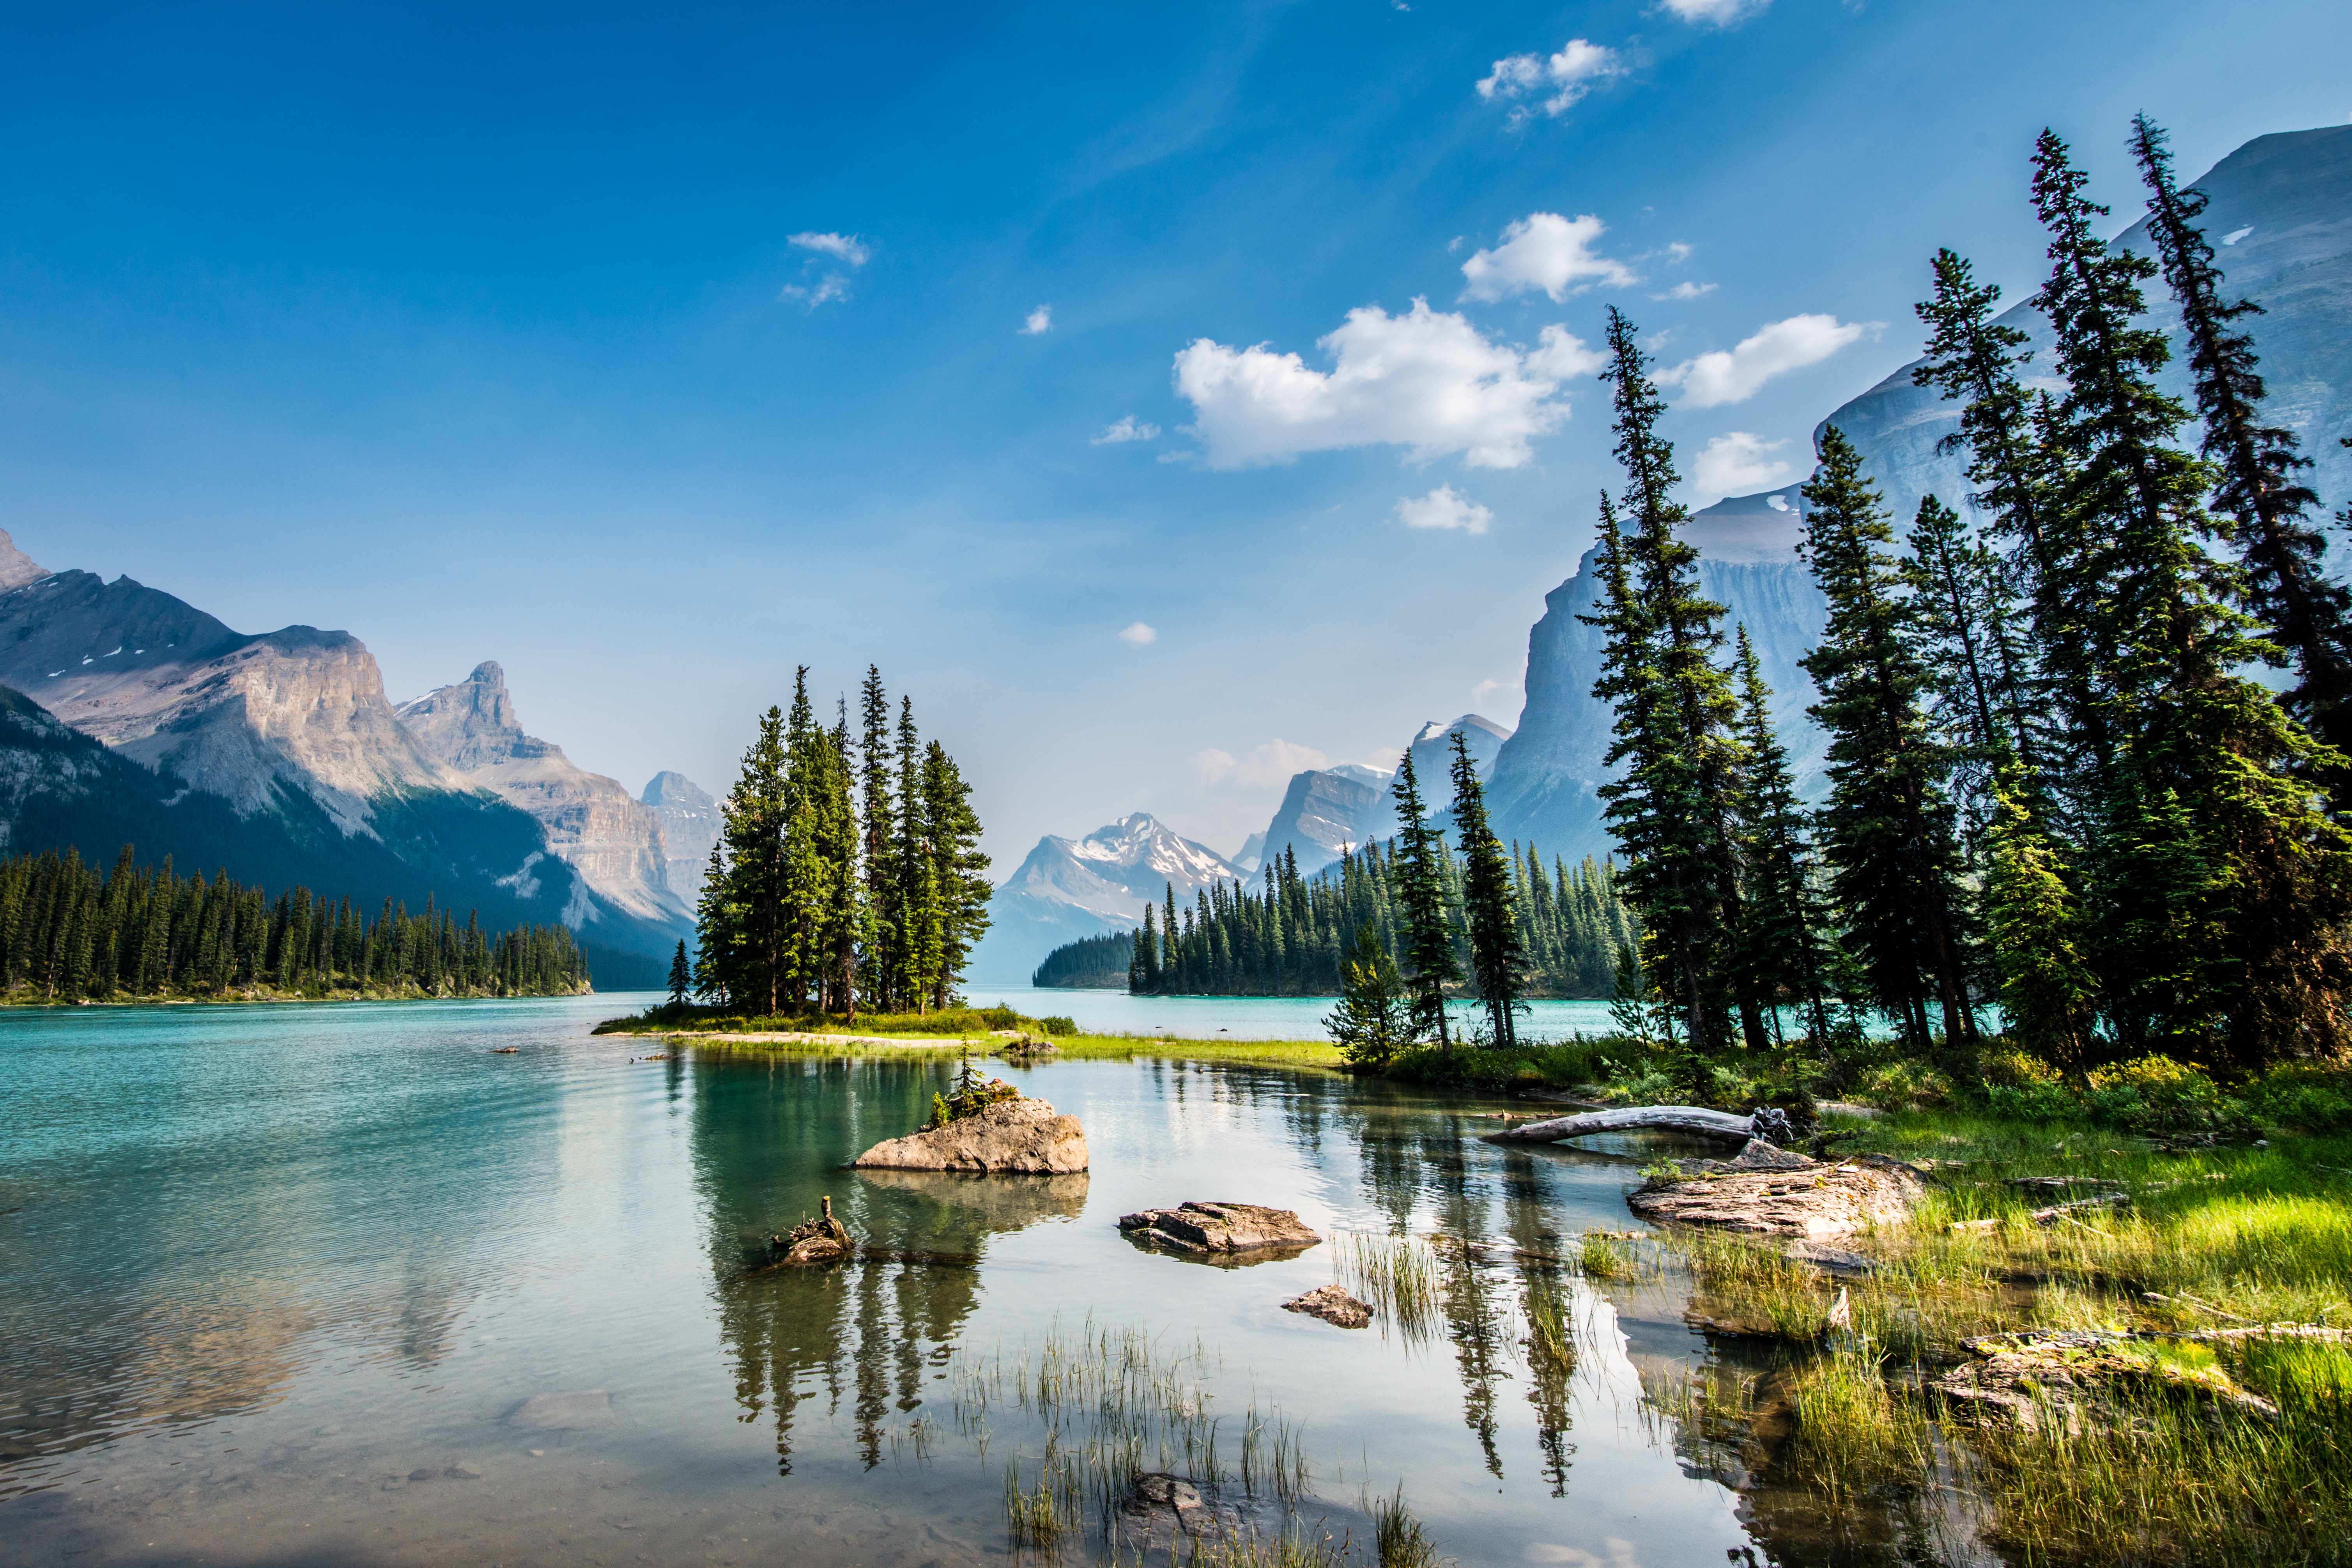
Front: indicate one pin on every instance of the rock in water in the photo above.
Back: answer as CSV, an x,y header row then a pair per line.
x,y
821,1240
1220,1232
1333,1305
1762,1195
1024,1136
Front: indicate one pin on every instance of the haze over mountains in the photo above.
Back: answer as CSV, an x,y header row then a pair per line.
x,y
2281,214
143,720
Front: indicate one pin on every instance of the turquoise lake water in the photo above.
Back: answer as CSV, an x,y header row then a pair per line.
x,y
337,1284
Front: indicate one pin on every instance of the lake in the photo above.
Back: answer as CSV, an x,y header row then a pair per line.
x,y
305,1284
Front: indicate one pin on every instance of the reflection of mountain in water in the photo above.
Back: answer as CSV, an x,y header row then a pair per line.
x,y
767,1147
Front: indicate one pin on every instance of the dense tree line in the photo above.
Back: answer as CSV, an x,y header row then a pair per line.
x,y
69,932
1293,935
2052,784
1101,962
848,870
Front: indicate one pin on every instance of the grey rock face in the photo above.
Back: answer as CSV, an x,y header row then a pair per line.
x,y
16,568
690,824
1329,811
1016,1136
1072,888
613,841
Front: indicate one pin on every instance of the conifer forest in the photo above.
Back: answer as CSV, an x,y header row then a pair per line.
x,y
69,933
848,872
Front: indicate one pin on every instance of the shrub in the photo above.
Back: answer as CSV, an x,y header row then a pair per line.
x,y
1057,1025
2157,1094
1903,1086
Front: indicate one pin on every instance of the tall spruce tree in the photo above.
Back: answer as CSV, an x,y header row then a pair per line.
x,y
681,977
842,919
959,869
753,952
877,817
1887,832
1673,804
1963,632
1497,958
1424,932
1779,954
2215,884
2309,614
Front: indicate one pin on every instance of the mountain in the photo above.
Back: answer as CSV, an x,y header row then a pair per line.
x,y
690,824
1328,812
1069,888
591,823
1541,789
2280,217
287,732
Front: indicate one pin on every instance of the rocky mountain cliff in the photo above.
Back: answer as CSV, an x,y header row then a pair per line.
x,y
1328,812
591,823
690,824
288,732
1073,888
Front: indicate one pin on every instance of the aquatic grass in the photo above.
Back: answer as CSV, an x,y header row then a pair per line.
x,y
1398,1276
1853,1433
1551,1331
1398,1539
1604,1256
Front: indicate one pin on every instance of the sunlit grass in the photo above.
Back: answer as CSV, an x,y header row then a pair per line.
x,y
1397,1277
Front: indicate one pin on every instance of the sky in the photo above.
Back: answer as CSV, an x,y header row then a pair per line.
x,y
1166,398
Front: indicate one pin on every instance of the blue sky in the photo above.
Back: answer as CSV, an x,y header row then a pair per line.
x,y
651,353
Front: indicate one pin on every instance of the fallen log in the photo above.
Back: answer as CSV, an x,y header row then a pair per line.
x,y
1631,1119
2067,1211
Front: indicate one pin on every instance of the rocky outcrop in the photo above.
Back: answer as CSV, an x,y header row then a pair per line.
x,y
16,568
690,826
591,823
1015,1136
1334,1306
1244,1233
1326,813
1767,1190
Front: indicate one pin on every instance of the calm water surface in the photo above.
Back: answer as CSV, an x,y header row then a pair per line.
x,y
338,1284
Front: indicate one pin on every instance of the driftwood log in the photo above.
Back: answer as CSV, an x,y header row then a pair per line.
x,y
1694,1119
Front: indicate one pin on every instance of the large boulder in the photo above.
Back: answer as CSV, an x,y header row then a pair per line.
x,y
1022,1136
1774,1192
1222,1233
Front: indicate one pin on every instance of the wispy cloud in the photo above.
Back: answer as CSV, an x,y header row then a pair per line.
x,y
1139,634
1546,252
1427,380
1129,429
1491,687
1565,77
1271,763
1443,508
1038,322
846,248
1735,463
1686,291
1715,13
832,286
1734,375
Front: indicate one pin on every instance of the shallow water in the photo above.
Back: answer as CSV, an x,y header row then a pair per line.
x,y
338,1284
1253,1018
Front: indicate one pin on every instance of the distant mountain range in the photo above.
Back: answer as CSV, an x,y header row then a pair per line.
x,y
128,715
2281,216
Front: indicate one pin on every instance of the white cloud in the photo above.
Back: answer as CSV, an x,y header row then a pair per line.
x,y
1139,634
1129,429
1271,763
1427,380
1039,321
1737,463
1568,75
1492,687
1559,355
832,286
1546,251
1719,377
1443,508
1715,13
1686,291
843,248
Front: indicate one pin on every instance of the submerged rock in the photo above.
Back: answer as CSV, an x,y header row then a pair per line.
x,y
1333,1305
1771,1192
1024,1136
1240,1233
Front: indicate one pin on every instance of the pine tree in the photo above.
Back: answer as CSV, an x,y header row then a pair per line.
x,y
2306,612
1961,631
2213,885
1779,951
752,953
1497,959
877,814
843,923
2033,924
1886,831
1672,806
960,869
1374,1018
1425,939
1143,963
681,978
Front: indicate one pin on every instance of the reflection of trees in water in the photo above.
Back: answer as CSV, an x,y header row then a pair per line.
x,y
767,1146
1529,1226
